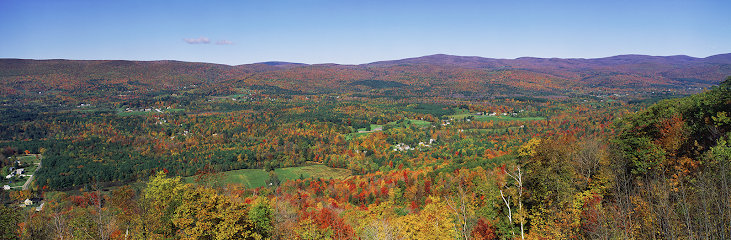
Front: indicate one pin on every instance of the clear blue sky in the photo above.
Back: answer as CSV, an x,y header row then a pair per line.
x,y
355,32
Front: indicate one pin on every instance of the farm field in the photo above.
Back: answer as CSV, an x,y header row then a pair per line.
x,y
29,158
507,118
123,113
496,130
462,113
375,127
420,123
254,178
135,113
350,136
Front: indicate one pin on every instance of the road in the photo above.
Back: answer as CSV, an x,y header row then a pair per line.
x,y
30,179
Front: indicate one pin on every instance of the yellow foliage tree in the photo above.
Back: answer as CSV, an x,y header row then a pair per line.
x,y
204,214
433,222
529,149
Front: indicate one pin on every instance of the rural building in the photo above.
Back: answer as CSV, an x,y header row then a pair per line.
x,y
39,208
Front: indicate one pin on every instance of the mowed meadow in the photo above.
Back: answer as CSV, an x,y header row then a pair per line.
x,y
255,178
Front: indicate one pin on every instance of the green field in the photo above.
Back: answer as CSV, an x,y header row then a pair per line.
x,y
28,158
420,123
361,131
254,178
507,118
32,160
16,184
373,126
134,113
121,112
31,170
495,130
464,113
460,113
355,135
238,95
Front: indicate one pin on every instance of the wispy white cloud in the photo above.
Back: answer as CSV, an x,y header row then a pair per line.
x,y
224,42
198,40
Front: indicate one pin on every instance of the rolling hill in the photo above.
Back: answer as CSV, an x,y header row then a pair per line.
x,y
434,75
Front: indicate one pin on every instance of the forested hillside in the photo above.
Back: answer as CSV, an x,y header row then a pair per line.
x,y
67,82
438,147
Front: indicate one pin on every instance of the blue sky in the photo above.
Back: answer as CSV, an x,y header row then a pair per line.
x,y
356,32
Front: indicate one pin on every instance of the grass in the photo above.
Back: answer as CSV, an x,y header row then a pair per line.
x,y
28,158
31,170
31,159
507,118
254,178
231,97
373,126
464,113
355,135
421,123
361,131
135,113
460,113
124,114
495,130
251,178
237,96
17,183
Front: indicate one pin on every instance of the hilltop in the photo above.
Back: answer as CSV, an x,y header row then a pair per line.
x,y
435,75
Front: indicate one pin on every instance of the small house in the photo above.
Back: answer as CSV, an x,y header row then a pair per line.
x,y
39,208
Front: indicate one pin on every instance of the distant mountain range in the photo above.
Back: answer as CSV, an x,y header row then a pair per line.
x,y
442,59
431,75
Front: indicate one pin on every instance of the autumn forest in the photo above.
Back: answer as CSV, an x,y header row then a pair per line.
x,y
435,147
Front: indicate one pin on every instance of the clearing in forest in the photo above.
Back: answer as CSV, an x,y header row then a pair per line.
x,y
463,113
253,178
376,127
507,118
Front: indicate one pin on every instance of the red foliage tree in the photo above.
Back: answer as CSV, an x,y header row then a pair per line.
x,y
483,230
